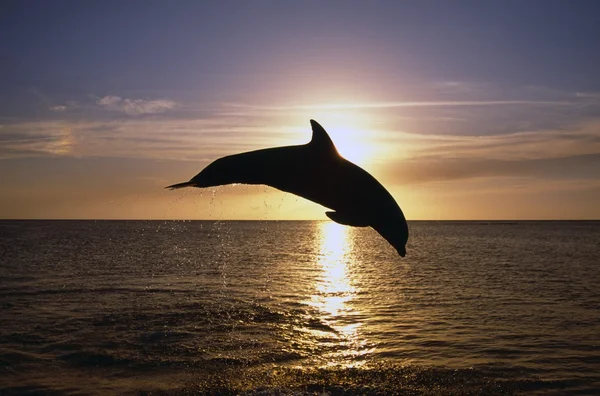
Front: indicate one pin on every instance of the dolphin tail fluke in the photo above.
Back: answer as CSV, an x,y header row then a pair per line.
x,y
181,185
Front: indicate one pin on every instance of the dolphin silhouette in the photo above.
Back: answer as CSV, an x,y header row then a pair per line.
x,y
317,172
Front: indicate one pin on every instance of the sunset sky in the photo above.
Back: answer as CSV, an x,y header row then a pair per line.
x,y
462,109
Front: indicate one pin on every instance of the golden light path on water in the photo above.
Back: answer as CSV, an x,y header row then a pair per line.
x,y
335,290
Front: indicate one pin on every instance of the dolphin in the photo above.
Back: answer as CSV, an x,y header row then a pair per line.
x,y
317,172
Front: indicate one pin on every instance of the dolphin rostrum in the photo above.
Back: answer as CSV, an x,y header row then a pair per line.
x,y
317,172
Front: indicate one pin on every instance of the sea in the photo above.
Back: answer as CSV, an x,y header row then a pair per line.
x,y
298,308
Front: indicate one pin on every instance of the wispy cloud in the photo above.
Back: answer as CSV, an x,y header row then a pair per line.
x,y
404,157
398,104
33,139
423,170
588,95
549,154
568,147
135,106
182,139
580,139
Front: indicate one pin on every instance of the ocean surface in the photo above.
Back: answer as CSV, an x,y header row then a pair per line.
x,y
299,308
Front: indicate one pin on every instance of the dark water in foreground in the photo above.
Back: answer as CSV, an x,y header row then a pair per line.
x,y
113,307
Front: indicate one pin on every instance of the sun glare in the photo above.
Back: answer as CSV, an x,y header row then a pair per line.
x,y
350,134
350,146
335,290
335,286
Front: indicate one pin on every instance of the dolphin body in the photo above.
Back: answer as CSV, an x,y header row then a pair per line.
x,y
317,172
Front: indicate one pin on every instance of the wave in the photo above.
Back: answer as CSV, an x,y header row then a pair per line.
x,y
230,378
381,379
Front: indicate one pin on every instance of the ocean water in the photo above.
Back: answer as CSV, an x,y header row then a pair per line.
x,y
155,307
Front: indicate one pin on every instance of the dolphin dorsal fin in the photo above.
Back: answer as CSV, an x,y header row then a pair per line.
x,y
320,138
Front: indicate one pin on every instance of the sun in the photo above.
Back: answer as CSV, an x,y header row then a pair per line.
x,y
352,143
351,147
350,130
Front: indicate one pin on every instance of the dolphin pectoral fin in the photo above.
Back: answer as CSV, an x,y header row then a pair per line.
x,y
345,219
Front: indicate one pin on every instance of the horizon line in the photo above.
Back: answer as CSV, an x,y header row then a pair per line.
x,y
279,220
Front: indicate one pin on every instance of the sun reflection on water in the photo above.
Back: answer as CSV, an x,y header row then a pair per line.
x,y
336,289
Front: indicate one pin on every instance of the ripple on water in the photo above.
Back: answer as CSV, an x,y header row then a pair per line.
x,y
242,307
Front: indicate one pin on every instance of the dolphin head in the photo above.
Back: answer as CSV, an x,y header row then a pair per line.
x,y
395,231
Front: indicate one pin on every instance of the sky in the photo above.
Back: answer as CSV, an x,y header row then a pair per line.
x,y
461,109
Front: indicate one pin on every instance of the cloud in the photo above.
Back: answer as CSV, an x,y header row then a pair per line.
x,y
179,139
34,139
398,104
562,150
547,154
423,170
580,139
58,108
588,95
135,107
